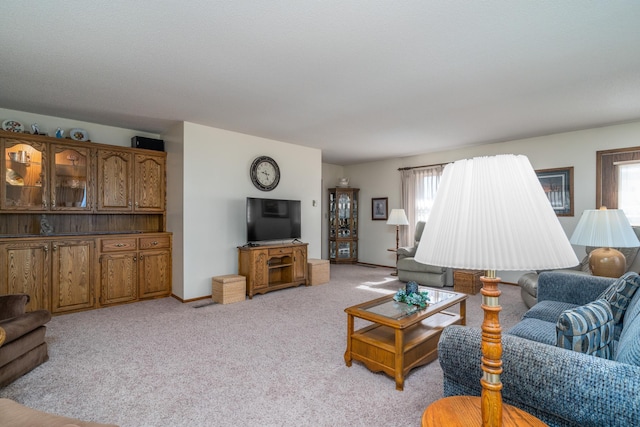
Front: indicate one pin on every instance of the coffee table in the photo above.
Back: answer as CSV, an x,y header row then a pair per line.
x,y
401,337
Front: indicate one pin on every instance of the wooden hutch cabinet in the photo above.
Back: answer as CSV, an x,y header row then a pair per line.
x,y
82,225
343,225
271,267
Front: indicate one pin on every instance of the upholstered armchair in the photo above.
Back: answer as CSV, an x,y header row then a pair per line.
x,y
426,275
22,344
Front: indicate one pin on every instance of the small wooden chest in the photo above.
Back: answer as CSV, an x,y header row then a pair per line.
x,y
318,271
229,288
467,281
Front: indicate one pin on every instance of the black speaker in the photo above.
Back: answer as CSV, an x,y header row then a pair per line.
x,y
148,143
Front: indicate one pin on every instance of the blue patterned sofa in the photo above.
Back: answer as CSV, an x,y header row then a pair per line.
x,y
561,387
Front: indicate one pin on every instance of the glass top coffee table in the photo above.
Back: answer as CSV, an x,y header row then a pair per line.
x,y
401,337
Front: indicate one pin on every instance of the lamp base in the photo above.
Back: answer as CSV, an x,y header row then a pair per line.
x,y
607,262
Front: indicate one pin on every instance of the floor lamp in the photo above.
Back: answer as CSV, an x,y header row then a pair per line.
x,y
491,213
605,229
397,217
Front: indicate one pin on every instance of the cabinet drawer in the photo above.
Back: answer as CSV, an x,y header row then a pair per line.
x,y
280,251
156,242
118,245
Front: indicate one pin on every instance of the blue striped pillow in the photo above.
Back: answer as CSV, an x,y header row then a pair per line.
x,y
587,329
620,292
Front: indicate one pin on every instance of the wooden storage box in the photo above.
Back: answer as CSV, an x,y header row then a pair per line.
x,y
229,288
318,271
467,281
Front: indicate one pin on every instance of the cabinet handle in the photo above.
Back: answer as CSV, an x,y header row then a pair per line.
x,y
154,243
46,248
136,204
53,203
55,248
135,258
129,203
141,256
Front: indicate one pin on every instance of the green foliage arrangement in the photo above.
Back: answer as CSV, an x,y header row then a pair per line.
x,y
419,299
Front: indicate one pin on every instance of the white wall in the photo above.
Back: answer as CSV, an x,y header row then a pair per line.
x,y
216,184
577,149
174,145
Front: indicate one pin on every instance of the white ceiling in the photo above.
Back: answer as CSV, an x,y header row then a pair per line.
x,y
362,80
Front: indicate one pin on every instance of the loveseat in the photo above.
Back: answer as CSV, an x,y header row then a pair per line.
x,y
411,270
559,386
528,282
22,343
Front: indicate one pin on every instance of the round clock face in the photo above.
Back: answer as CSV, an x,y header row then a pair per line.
x,y
265,173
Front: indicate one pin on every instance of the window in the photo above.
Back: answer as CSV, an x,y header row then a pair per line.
x,y
618,181
419,187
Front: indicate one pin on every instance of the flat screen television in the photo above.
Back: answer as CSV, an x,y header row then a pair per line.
x,y
273,219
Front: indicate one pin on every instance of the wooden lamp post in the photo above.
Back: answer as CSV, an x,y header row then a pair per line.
x,y
491,213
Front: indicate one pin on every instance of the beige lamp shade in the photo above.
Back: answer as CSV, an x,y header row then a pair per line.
x,y
397,217
607,228
491,213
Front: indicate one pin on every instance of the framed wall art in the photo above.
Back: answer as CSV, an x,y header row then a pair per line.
x,y
379,208
558,186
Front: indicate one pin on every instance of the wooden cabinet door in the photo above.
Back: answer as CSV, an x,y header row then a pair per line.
x,y
23,170
72,279
71,178
149,183
154,273
118,278
115,178
260,267
25,270
299,263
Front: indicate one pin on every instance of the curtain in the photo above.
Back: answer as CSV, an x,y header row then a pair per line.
x,y
629,191
419,187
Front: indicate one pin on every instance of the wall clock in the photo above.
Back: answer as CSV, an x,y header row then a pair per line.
x,y
265,173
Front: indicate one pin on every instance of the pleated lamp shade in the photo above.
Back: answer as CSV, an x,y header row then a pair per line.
x,y
491,213
607,228
397,217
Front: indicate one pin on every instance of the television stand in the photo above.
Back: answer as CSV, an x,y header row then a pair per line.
x,y
272,267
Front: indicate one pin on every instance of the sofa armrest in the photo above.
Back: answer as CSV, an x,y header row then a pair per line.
x,y
559,386
407,252
21,325
13,305
573,288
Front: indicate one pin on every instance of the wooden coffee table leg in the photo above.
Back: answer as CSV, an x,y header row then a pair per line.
x,y
347,354
399,368
463,312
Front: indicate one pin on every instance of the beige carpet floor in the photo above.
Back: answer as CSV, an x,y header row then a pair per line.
x,y
275,360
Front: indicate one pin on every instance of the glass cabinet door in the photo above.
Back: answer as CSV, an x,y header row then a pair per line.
x,y
332,216
24,169
343,225
70,172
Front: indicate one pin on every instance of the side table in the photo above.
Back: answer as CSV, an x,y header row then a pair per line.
x,y
464,411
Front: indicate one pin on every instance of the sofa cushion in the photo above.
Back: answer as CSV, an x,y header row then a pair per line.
x,y
628,349
587,329
620,292
548,310
535,330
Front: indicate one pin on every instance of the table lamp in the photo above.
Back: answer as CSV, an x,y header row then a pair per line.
x,y
397,217
491,213
606,228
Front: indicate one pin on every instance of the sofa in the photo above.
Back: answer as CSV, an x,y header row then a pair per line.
x,y
411,270
560,386
528,282
22,343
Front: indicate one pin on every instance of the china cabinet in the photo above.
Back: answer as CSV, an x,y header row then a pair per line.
x,y
343,225
82,225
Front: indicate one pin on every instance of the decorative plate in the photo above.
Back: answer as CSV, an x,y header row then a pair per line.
x,y
12,126
13,178
79,134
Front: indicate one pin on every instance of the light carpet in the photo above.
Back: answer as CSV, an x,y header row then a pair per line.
x,y
275,360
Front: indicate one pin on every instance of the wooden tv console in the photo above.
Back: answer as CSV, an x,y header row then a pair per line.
x,y
272,267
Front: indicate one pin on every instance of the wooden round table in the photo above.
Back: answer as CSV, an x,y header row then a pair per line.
x,y
464,411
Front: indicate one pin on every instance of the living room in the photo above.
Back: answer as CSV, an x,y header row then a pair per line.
x,y
208,164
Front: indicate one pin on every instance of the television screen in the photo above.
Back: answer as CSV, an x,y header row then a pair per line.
x,y
273,219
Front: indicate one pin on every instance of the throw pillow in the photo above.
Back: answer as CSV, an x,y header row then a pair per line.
x,y
620,292
587,329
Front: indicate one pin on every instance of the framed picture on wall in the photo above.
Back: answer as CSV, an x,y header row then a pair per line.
x,y
558,186
379,208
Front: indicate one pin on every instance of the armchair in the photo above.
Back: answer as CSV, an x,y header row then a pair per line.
x,y
426,275
22,344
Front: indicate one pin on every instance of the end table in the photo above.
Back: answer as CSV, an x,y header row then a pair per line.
x,y
464,411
